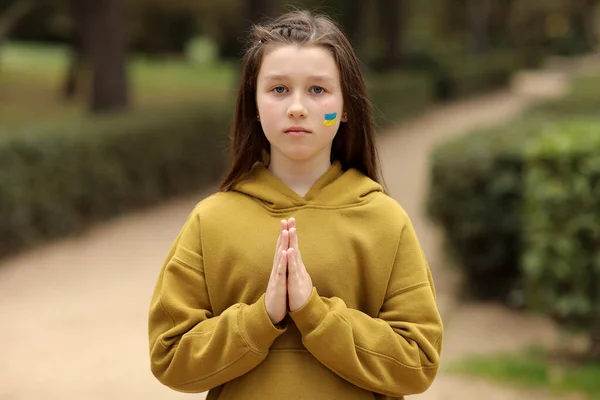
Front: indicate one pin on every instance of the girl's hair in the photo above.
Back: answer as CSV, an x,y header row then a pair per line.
x,y
354,144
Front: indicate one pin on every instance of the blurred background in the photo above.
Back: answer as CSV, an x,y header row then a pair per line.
x,y
114,116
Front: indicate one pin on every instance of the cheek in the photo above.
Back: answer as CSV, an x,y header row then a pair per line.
x,y
330,105
270,111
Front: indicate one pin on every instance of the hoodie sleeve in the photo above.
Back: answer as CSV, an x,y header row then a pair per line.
x,y
396,353
191,349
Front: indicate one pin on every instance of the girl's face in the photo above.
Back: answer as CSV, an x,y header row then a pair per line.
x,y
299,99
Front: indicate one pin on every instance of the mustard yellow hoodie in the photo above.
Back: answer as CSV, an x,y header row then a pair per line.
x,y
370,329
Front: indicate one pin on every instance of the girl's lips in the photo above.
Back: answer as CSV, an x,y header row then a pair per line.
x,y
297,131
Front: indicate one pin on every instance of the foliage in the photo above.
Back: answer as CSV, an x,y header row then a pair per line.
x,y
582,99
461,75
476,191
58,177
397,96
561,252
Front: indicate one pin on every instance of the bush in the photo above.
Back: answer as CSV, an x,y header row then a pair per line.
x,y
476,190
464,75
399,95
582,99
56,178
476,194
561,256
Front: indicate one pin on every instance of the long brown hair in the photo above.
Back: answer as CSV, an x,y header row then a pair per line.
x,y
354,144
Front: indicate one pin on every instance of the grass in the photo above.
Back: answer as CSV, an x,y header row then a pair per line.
x,y
535,369
582,99
31,76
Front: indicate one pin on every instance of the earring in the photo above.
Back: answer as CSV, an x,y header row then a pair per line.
x,y
258,117
345,117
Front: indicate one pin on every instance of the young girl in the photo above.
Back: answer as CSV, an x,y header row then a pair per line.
x,y
301,278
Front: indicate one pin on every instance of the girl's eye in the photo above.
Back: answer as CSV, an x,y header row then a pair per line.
x,y
317,89
280,89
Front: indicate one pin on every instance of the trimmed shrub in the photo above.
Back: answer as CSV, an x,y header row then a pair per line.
x,y
463,75
561,253
399,95
583,99
476,193
57,177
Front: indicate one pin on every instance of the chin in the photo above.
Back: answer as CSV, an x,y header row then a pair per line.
x,y
298,155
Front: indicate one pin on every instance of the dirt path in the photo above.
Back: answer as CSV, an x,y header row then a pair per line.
x,y
74,312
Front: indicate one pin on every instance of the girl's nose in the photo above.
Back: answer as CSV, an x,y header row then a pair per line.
x,y
296,114
297,110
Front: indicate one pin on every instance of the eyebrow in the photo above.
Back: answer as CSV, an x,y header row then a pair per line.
x,y
318,78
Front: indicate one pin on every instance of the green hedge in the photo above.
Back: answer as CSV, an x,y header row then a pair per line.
x,y
561,253
476,191
402,94
462,75
57,177
399,95
583,99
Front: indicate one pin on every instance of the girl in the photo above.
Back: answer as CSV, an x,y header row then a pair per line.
x,y
344,307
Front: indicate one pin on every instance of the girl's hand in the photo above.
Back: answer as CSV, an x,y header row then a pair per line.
x,y
276,296
299,282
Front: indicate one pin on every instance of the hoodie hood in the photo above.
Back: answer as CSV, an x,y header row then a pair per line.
x,y
335,188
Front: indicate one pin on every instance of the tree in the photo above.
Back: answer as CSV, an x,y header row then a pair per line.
x,y
586,12
256,10
478,19
392,16
100,45
78,61
105,37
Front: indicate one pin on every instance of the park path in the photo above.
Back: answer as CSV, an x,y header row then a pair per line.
x,y
74,311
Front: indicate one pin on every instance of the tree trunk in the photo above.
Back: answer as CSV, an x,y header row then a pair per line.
x,y
104,43
392,15
502,27
587,18
256,10
79,61
478,17
355,23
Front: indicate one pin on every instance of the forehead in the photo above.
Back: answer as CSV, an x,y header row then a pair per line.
x,y
298,61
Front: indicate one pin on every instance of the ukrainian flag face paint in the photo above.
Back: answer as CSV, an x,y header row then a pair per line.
x,y
330,119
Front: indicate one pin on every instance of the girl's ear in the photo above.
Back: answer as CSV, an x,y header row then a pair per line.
x,y
344,117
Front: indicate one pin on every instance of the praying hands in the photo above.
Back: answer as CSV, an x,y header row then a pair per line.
x,y
290,284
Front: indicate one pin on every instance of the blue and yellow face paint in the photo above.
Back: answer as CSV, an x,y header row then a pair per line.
x,y
330,119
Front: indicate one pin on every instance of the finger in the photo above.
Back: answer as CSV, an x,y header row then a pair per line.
x,y
284,224
278,242
285,240
276,262
282,267
291,223
277,250
292,265
283,245
294,238
294,243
